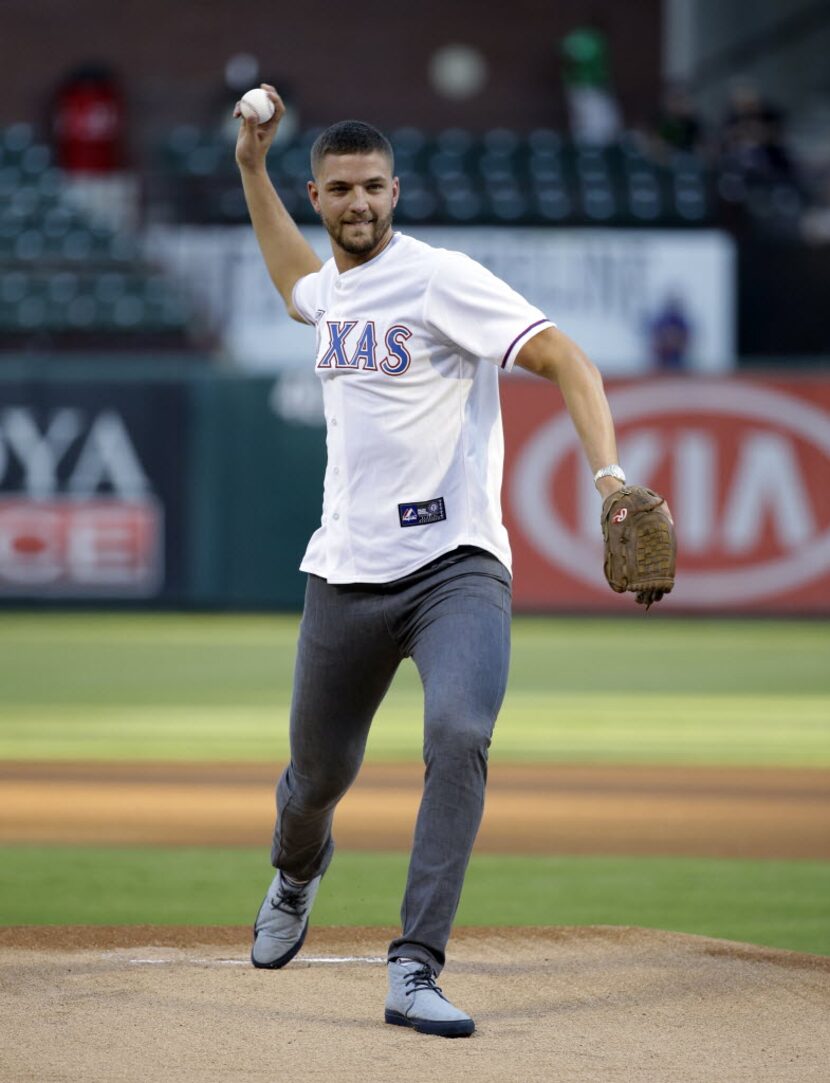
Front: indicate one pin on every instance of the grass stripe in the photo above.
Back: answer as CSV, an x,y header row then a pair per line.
x,y
572,728
775,903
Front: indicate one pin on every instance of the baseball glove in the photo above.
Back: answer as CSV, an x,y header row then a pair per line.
x,y
640,545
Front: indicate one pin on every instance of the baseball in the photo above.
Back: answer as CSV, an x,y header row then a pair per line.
x,y
256,103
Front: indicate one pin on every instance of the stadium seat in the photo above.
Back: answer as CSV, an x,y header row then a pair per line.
x,y
29,245
15,140
455,175
455,140
552,202
63,286
62,274
417,204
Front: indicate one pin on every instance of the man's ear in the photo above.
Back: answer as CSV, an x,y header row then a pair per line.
x,y
313,195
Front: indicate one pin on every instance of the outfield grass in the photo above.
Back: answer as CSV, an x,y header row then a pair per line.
x,y
636,690
639,690
776,903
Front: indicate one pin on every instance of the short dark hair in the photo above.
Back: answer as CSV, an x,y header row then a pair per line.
x,y
350,137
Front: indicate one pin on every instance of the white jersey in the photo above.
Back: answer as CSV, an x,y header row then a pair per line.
x,y
409,347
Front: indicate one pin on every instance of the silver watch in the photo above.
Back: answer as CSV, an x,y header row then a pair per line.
x,y
612,471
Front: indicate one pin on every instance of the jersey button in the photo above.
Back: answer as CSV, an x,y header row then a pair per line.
x,y
336,515
337,469
334,421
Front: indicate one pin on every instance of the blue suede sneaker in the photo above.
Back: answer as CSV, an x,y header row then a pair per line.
x,y
415,1001
282,922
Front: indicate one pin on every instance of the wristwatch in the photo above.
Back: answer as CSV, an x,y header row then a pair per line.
x,y
612,471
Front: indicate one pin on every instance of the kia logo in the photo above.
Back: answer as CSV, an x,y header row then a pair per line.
x,y
767,487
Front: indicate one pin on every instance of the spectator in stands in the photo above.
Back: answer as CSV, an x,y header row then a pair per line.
x,y
677,126
593,112
89,118
670,336
752,136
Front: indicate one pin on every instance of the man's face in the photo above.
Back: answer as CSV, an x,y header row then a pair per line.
x,y
355,194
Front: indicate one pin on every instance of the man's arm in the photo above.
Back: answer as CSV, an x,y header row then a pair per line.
x,y
287,254
637,527
554,356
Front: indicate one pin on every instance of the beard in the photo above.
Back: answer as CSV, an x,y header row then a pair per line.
x,y
343,235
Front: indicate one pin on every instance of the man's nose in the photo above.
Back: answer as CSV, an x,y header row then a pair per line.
x,y
360,199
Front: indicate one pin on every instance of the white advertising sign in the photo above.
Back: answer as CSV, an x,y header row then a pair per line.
x,y
636,300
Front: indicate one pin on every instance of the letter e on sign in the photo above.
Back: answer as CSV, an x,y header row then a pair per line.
x,y
66,547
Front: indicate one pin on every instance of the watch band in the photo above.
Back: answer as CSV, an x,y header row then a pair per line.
x,y
612,471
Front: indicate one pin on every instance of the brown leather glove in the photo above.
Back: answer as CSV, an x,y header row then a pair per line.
x,y
640,544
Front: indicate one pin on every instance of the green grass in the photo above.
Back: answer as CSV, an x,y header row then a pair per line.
x,y
776,903
640,690
634,690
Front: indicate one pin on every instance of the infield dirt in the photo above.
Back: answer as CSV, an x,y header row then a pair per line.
x,y
581,1005
592,1005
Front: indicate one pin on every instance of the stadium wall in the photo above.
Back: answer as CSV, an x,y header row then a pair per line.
x,y
152,486
331,61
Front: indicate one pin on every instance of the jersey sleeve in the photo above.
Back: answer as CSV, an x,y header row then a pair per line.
x,y
303,296
471,307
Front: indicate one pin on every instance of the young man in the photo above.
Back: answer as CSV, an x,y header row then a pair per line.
x,y
411,558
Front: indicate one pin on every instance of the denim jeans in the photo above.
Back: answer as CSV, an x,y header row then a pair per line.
x,y
452,617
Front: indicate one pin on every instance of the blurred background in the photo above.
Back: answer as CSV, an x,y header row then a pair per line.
x,y
655,176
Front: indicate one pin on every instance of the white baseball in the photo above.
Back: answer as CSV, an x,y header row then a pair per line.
x,y
256,103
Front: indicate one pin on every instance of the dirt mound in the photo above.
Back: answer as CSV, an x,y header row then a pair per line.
x,y
584,1005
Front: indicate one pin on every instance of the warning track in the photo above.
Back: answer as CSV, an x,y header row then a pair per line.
x,y
544,809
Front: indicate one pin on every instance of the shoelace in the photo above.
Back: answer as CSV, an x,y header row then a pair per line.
x,y
422,978
290,900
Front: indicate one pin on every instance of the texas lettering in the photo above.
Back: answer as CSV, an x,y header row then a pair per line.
x,y
356,345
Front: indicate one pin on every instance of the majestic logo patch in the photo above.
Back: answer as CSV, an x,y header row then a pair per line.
x,y
425,511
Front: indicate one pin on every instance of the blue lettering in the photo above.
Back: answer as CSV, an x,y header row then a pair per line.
x,y
365,353
338,333
395,338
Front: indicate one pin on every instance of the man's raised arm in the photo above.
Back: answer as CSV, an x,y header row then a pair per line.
x,y
287,254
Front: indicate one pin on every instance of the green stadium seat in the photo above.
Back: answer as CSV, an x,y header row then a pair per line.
x,y
29,245
15,140
63,286
13,287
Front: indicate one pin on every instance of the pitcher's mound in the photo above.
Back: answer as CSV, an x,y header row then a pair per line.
x,y
616,1005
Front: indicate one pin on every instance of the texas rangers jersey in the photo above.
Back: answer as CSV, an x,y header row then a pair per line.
x,y
409,348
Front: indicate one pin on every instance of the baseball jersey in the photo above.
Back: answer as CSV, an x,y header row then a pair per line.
x,y
409,348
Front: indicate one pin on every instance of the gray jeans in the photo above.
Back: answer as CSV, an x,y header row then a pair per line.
x,y
452,617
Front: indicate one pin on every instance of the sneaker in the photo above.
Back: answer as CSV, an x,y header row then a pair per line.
x,y
415,1000
282,922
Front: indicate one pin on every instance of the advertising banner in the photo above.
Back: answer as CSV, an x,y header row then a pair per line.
x,y
91,487
744,464
636,300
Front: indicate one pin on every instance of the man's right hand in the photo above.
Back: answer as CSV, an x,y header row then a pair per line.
x,y
254,139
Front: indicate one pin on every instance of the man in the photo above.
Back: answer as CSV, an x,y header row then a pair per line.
x,y
411,558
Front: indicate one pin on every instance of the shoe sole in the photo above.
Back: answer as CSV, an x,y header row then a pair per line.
x,y
283,959
447,1028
